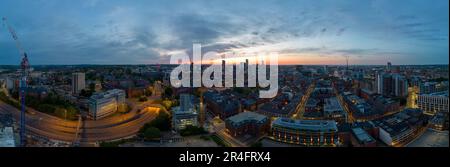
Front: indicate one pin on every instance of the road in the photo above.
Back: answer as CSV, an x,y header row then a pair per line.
x,y
300,109
112,128
350,118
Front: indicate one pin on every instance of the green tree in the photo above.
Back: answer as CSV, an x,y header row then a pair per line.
x,y
162,122
92,87
192,130
152,133
143,99
256,144
168,92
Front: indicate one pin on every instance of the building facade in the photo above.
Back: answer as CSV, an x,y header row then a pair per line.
x,y
401,128
305,132
186,114
78,82
247,123
434,102
106,103
392,85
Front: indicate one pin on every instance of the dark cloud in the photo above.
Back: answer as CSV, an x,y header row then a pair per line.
x,y
97,31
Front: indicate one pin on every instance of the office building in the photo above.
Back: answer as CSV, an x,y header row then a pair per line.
x,y
106,103
400,128
78,82
432,87
434,102
389,66
186,114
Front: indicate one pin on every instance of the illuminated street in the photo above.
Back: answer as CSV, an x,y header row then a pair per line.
x,y
117,127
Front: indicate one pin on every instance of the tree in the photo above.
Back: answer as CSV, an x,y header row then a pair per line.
x,y
148,92
162,122
192,130
92,87
168,92
167,103
143,99
86,93
152,133
257,144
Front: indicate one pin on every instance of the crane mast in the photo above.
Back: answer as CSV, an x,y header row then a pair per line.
x,y
24,67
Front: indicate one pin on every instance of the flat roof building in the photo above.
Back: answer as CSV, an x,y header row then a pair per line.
x,y
434,102
247,123
106,103
332,109
362,139
305,132
78,82
400,128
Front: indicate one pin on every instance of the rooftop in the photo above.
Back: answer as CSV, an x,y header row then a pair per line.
x,y
444,93
332,104
107,94
306,125
245,117
400,122
362,136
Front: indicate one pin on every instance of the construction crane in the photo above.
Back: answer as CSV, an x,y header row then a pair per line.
x,y
24,68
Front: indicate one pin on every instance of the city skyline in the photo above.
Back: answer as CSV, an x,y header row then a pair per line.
x,y
302,32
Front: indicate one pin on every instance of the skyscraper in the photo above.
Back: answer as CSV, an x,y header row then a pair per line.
x,y
401,85
392,84
389,66
78,82
186,114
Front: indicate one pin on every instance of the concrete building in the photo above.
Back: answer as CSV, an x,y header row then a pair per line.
x,y
11,83
78,82
305,132
7,137
432,87
434,102
247,123
106,103
392,84
400,128
389,66
186,114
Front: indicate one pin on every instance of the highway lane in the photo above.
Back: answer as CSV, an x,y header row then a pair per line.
x,y
55,128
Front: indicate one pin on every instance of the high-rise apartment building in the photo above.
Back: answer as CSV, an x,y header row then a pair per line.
x,y
78,82
392,84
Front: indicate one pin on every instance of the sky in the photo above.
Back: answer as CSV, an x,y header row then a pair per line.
x,y
301,31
